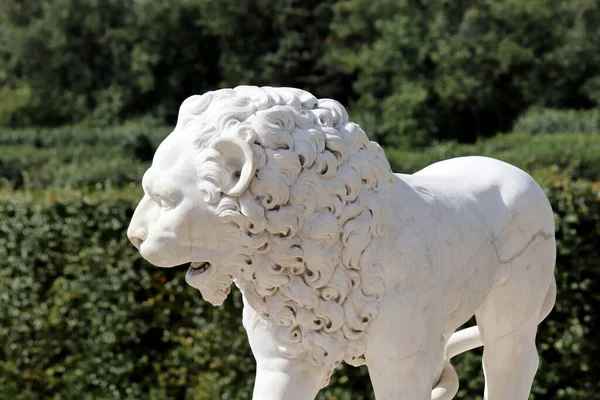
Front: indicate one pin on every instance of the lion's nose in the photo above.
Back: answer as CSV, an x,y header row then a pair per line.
x,y
137,242
137,237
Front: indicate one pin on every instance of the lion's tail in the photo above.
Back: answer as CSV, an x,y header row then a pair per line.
x,y
460,341
463,340
468,339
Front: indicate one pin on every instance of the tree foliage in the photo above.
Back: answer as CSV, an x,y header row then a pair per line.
x,y
275,43
464,69
103,60
107,60
415,71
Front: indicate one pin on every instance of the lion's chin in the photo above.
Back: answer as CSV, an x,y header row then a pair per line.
x,y
214,286
215,297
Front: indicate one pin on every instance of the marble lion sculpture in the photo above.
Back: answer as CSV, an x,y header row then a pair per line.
x,y
338,258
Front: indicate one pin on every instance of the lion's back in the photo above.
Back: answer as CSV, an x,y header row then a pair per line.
x,y
480,174
491,212
502,192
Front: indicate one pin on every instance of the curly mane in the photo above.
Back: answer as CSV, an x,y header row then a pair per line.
x,y
307,227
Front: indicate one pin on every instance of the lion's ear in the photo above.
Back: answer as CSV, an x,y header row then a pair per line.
x,y
240,163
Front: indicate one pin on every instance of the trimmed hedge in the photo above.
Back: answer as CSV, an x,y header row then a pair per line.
x,y
546,121
82,135
102,157
577,154
77,156
83,316
76,166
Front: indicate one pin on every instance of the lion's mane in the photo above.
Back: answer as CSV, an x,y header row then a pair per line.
x,y
310,219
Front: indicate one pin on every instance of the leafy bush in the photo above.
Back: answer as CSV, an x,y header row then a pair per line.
x,y
544,121
576,153
80,135
83,316
73,167
11,100
77,156
568,340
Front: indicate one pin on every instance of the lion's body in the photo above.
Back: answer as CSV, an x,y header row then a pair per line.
x,y
474,233
338,259
481,241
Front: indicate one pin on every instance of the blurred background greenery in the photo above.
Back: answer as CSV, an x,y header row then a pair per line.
x,y
89,88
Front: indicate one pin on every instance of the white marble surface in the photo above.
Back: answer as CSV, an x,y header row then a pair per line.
x,y
340,259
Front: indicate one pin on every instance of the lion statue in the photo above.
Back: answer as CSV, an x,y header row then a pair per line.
x,y
338,258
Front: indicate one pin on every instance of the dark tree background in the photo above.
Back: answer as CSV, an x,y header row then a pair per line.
x,y
413,71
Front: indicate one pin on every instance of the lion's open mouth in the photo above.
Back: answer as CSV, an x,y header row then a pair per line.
x,y
198,267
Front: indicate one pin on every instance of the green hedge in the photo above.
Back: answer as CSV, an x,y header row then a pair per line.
x,y
82,135
77,156
578,154
117,156
547,121
82,316
75,166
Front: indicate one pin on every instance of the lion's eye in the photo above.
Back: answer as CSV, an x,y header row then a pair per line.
x,y
165,195
164,203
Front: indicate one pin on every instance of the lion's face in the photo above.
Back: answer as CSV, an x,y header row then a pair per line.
x,y
173,223
277,191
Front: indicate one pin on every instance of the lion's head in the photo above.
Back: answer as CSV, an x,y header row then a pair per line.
x,y
277,191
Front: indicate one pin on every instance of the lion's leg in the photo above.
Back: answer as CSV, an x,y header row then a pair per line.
x,y
283,379
399,376
279,377
508,321
510,363
406,348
